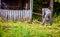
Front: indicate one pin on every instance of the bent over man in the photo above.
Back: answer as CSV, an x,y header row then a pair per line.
x,y
46,12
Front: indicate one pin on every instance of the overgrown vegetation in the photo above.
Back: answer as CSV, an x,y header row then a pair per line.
x,y
24,29
37,6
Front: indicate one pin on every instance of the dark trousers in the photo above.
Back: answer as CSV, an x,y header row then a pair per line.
x,y
46,16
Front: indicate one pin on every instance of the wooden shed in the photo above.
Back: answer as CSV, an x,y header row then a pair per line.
x,y
16,9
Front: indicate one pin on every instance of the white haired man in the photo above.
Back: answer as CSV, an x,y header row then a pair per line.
x,y
46,12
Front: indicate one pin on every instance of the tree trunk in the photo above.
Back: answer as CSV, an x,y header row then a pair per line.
x,y
51,5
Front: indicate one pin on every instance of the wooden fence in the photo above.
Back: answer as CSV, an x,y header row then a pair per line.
x,y
16,14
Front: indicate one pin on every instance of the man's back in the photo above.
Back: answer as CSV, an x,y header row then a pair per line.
x,y
46,10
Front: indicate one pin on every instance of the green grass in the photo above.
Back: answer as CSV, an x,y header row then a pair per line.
x,y
24,29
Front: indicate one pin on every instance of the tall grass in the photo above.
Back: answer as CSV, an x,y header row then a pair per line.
x,y
24,29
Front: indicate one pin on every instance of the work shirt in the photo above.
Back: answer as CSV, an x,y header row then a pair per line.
x,y
46,11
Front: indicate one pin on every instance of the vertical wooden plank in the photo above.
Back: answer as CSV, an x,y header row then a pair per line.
x,y
26,15
9,15
31,8
23,15
19,15
0,12
12,15
30,11
15,14
6,15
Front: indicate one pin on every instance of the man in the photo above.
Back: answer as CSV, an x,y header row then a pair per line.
x,y
46,12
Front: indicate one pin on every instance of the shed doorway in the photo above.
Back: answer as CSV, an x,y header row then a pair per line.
x,y
15,4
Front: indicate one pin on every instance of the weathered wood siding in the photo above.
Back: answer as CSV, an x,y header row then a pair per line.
x,y
16,14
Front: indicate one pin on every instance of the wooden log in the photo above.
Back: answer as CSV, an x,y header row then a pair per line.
x,y
37,13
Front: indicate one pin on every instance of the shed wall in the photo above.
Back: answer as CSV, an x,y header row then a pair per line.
x,y
16,14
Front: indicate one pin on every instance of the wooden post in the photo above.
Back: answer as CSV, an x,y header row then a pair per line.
x,y
31,9
31,4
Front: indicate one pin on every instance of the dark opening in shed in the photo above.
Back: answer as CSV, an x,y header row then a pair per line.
x,y
15,4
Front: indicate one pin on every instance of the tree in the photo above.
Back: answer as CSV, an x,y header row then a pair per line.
x,y
51,5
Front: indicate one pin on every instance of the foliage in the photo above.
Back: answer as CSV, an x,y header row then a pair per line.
x,y
36,17
56,8
24,29
37,5
57,1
